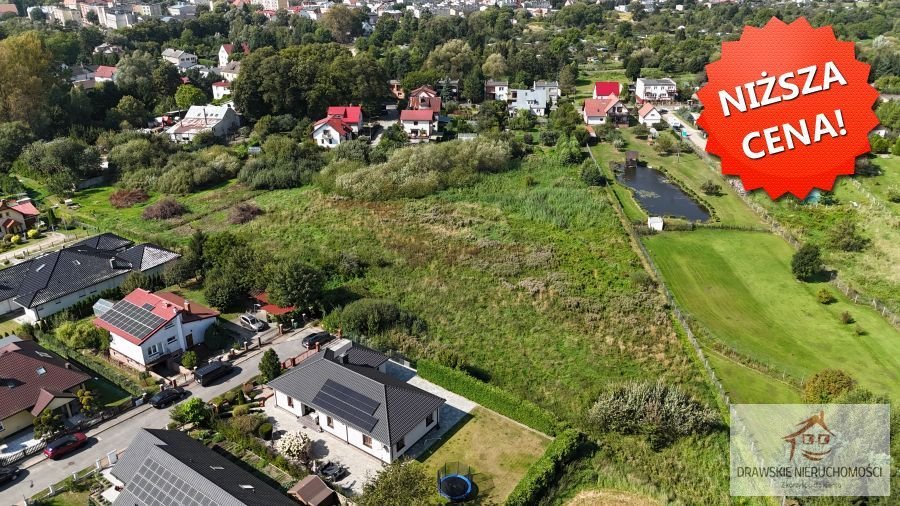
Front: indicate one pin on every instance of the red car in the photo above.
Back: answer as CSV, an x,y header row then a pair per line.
x,y
64,445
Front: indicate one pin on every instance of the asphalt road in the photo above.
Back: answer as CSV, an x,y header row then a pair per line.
x,y
693,134
116,434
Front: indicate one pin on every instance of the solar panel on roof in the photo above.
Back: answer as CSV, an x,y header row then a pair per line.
x,y
136,321
357,399
148,306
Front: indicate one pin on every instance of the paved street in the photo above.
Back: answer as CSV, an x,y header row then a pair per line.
x,y
693,134
116,434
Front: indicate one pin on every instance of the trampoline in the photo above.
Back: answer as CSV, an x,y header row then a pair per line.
x,y
454,481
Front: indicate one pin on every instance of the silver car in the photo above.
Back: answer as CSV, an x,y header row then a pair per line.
x,y
253,323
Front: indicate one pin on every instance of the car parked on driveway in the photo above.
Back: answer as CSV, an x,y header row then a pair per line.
x,y
65,445
167,397
312,340
253,323
8,474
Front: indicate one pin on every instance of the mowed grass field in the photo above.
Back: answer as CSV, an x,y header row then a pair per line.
x,y
739,286
499,451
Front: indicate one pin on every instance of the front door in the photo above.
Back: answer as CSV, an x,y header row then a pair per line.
x,y
190,340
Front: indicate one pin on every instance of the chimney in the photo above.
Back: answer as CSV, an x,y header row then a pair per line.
x,y
187,305
345,359
340,332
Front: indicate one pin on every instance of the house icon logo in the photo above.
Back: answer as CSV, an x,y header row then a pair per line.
x,y
813,438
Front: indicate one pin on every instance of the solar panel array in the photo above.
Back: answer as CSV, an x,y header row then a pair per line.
x,y
154,485
352,406
136,321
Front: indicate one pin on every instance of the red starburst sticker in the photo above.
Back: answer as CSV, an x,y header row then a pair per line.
x,y
788,108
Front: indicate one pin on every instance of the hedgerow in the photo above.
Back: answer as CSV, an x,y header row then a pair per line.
x,y
490,396
543,472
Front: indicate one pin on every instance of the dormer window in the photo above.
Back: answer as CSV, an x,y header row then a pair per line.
x,y
40,371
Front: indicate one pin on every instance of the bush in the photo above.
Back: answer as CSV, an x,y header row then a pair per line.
x,y
295,446
265,431
33,233
241,410
544,472
15,239
847,318
825,385
164,209
549,137
189,359
490,396
528,138
367,317
825,296
591,174
244,212
845,237
246,423
124,198
658,410
711,188
806,262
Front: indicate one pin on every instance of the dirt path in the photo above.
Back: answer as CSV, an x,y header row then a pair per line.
x,y
610,498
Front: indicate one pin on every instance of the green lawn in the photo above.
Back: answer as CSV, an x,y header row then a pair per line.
x,y
499,451
746,385
689,170
108,395
739,286
67,499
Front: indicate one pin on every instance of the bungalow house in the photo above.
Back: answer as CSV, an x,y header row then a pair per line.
x,y
419,124
648,115
18,216
330,132
551,87
535,101
181,59
349,396
221,89
221,120
33,379
52,282
424,97
170,467
148,328
496,90
655,90
600,111
352,115
606,88
226,50
105,73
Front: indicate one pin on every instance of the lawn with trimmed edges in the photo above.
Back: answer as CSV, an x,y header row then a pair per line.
x,y
739,286
498,449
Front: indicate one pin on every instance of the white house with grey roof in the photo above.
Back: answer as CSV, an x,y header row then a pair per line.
x,y
349,396
168,467
655,90
52,282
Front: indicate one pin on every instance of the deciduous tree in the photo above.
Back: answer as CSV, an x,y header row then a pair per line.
x,y
402,483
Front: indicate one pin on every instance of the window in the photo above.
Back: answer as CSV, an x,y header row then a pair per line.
x,y
171,339
401,444
367,441
41,371
153,350
429,419
329,421
290,402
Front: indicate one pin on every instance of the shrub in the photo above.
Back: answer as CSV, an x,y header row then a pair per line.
x,y
711,188
295,446
489,396
656,409
15,239
240,410
164,209
246,423
367,317
544,472
124,198
33,233
591,174
528,138
847,318
244,212
825,385
549,137
189,359
825,296
806,262
845,237
265,431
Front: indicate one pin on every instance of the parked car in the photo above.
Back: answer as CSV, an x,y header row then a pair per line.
x,y
167,397
8,474
312,340
253,323
65,445
212,371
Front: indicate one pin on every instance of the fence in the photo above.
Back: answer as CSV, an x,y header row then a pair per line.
x,y
24,453
45,245
886,312
80,478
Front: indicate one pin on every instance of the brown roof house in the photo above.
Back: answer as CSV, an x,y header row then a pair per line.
x,y
33,379
312,491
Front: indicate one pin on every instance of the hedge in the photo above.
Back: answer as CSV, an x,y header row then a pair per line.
x,y
490,396
543,473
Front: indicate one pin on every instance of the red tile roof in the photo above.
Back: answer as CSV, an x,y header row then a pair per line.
x,y
416,115
350,113
105,71
606,88
334,122
599,106
270,308
22,381
162,304
46,397
645,109
221,84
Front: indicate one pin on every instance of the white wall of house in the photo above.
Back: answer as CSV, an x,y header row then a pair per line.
x,y
653,92
651,118
220,91
54,306
327,137
223,56
417,128
416,434
172,338
594,120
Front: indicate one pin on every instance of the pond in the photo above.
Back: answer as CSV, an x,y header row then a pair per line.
x,y
659,196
